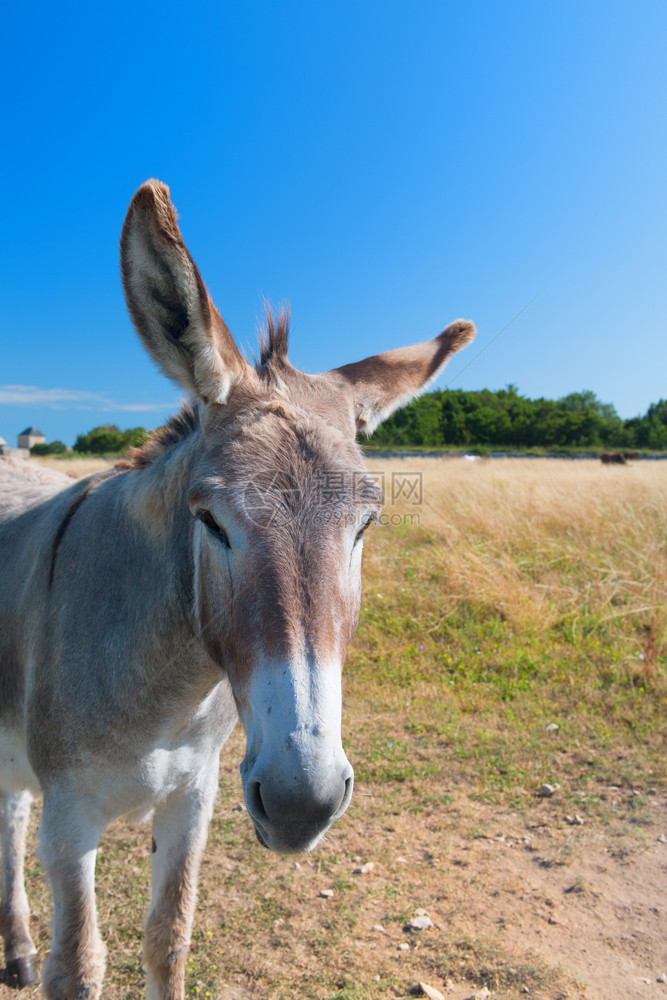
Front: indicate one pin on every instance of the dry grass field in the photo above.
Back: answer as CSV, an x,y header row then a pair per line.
x,y
513,633
74,467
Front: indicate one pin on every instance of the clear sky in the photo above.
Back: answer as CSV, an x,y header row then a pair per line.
x,y
384,167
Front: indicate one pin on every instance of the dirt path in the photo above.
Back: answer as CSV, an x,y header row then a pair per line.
x,y
575,898
507,892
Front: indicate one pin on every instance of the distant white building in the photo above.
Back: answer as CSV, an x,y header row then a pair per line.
x,y
13,452
29,437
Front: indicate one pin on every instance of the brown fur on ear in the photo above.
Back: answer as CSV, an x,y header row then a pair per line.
x,y
168,301
385,382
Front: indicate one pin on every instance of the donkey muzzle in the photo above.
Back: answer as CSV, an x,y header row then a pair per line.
x,y
291,810
296,778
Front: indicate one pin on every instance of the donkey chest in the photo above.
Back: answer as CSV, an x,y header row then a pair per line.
x,y
137,788
133,771
174,759
159,774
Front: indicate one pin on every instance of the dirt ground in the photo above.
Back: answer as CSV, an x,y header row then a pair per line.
x,y
573,895
589,900
586,903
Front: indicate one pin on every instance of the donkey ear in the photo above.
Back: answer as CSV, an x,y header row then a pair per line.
x,y
168,302
386,382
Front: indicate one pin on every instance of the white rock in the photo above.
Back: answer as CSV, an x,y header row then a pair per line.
x,y
378,928
364,869
661,979
431,992
546,791
326,893
422,923
553,727
482,994
662,839
421,912
403,947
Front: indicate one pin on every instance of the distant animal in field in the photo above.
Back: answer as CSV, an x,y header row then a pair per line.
x,y
631,456
216,574
612,458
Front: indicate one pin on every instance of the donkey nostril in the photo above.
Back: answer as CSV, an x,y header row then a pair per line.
x,y
347,795
255,801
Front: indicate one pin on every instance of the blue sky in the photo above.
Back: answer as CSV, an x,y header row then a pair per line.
x,y
383,167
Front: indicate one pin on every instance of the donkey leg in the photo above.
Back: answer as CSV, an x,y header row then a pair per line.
x,y
20,953
74,969
180,826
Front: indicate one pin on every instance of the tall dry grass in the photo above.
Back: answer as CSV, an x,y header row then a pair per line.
x,y
530,592
73,467
540,540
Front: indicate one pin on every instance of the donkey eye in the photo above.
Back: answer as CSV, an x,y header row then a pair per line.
x,y
212,525
362,530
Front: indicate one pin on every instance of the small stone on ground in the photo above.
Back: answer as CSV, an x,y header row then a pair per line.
x,y
431,992
547,790
420,923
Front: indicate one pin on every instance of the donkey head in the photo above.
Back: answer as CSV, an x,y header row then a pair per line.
x,y
280,501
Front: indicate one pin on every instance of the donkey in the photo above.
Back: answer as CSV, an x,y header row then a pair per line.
x,y
143,610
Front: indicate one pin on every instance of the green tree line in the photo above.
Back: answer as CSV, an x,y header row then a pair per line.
x,y
455,418
105,440
504,419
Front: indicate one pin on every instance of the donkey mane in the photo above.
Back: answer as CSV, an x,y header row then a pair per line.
x,y
273,343
273,339
179,426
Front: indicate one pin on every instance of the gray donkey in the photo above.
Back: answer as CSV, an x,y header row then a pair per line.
x,y
215,575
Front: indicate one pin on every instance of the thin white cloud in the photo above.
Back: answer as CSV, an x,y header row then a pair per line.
x,y
139,407
62,399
